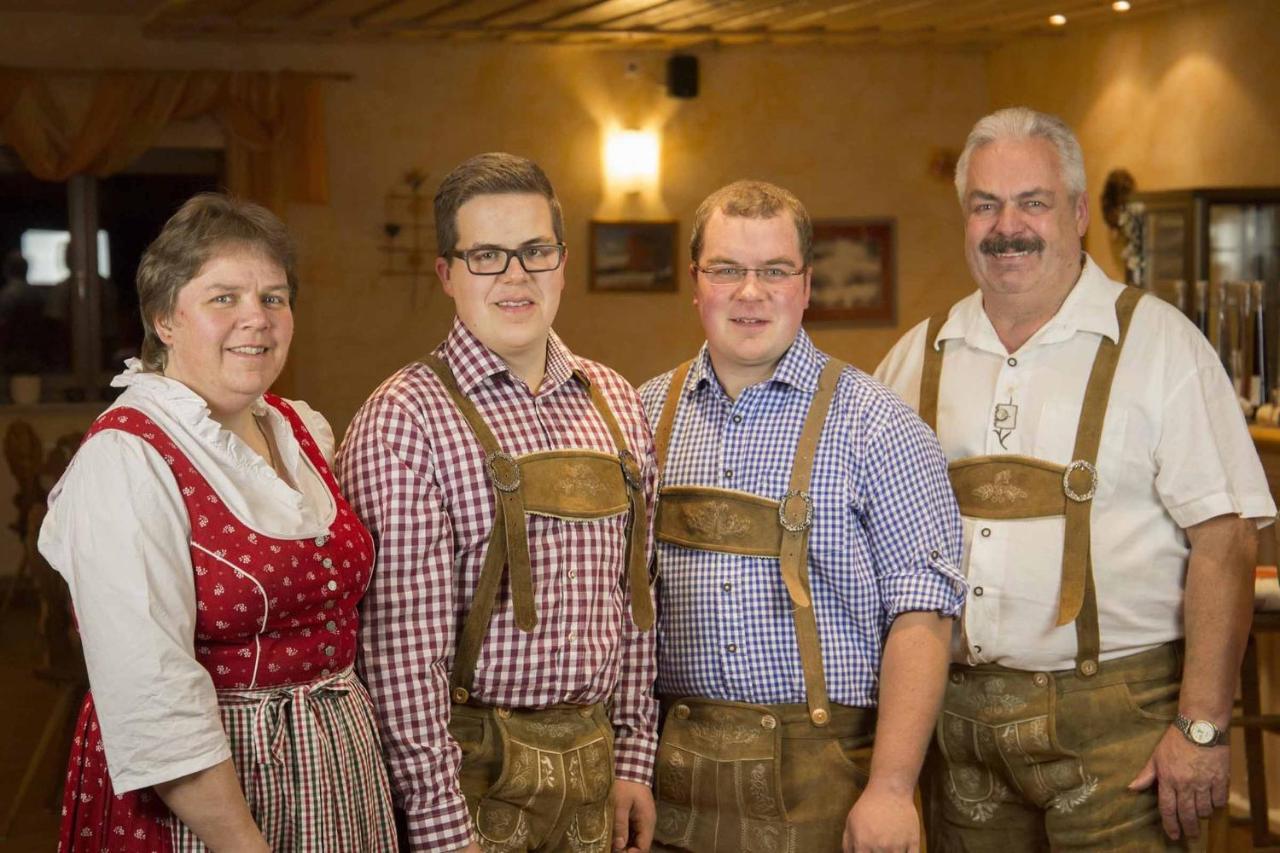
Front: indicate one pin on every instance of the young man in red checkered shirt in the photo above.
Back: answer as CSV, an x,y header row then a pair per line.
x,y
507,483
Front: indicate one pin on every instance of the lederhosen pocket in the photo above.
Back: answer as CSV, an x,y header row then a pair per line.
x,y
711,751
739,777
557,772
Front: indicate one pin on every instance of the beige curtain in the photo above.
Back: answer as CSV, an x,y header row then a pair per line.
x,y
273,122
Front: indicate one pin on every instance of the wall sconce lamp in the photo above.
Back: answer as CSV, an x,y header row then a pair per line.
x,y
631,159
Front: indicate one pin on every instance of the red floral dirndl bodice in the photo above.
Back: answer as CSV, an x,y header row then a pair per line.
x,y
270,613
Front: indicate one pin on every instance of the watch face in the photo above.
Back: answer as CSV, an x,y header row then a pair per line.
x,y
1202,732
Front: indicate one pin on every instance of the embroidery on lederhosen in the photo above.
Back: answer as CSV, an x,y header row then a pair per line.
x,y
1000,490
1007,728
1010,487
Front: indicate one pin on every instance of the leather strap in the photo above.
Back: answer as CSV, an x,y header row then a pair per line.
x,y
796,517
662,435
476,625
1078,600
931,373
508,542
637,566
504,477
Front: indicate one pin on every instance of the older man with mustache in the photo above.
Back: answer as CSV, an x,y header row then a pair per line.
x,y
1111,501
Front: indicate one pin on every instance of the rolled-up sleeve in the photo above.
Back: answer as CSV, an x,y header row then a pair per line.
x,y
408,622
118,532
912,520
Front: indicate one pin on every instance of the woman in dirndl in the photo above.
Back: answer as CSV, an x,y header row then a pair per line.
x,y
215,571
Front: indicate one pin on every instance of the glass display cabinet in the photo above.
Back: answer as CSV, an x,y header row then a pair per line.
x,y
1215,253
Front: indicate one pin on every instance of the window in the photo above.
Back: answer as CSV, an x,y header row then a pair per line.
x,y
68,308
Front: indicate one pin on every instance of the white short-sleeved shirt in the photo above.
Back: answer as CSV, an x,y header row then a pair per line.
x,y
118,531
1175,452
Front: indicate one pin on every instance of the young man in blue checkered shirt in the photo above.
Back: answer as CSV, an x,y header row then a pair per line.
x,y
807,558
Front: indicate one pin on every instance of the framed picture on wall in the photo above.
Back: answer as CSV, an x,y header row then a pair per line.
x,y
632,255
854,271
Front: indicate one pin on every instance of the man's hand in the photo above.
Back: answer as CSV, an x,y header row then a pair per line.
x,y
882,822
1190,780
633,816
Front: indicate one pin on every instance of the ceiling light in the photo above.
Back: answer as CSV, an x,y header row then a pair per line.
x,y
1122,5
1057,20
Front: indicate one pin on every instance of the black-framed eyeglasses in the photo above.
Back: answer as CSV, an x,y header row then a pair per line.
x,y
494,260
733,276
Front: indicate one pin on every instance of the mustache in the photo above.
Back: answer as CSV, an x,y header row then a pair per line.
x,y
999,244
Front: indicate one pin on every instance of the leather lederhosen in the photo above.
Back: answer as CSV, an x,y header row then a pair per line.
x,y
1009,486
514,804
737,776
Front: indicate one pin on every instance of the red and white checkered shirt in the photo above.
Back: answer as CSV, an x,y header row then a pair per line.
x,y
414,473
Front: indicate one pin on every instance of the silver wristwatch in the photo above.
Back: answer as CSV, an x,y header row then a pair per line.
x,y
1200,732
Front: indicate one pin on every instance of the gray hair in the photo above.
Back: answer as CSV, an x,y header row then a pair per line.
x,y
1025,123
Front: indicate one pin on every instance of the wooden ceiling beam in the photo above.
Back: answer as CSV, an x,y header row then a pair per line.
x,y
585,9
825,12
509,9
716,16
636,22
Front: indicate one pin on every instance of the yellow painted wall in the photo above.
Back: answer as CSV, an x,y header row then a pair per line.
x,y
850,132
1185,100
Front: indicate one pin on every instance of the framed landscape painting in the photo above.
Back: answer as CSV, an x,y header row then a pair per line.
x,y
632,255
854,271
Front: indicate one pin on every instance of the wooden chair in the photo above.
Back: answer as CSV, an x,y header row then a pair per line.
x,y
62,660
1254,723
24,453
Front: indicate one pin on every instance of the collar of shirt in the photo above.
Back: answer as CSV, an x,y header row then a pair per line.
x,y
473,362
1089,307
243,479
799,367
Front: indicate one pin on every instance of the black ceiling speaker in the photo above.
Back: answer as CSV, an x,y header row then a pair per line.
x,y
682,76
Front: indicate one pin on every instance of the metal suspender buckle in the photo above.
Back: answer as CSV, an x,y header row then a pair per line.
x,y
631,469
504,471
793,518
1079,465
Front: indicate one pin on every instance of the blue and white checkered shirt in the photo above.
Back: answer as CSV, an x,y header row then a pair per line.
x,y
885,538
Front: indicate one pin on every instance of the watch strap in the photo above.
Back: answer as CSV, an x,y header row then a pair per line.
x,y
1183,724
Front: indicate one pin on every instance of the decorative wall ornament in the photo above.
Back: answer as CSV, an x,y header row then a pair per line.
x,y
408,243
1125,219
